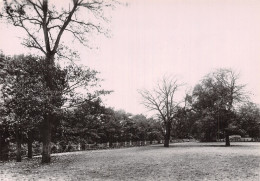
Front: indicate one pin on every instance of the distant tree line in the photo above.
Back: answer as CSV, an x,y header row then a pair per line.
x,y
217,107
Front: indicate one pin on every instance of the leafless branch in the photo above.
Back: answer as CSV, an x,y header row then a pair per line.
x,y
161,98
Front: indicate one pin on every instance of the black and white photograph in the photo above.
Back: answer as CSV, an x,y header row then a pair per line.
x,y
129,90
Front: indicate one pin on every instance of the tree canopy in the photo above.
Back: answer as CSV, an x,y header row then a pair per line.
x,y
214,101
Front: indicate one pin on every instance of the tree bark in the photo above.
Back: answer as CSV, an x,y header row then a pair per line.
x,y
83,146
18,146
46,147
110,143
30,152
227,130
29,144
167,135
227,138
4,146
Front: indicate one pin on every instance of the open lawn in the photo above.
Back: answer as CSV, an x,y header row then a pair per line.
x,y
181,161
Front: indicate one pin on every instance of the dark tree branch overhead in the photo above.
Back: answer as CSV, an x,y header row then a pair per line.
x,y
34,15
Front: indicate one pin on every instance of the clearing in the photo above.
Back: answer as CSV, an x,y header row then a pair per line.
x,y
181,161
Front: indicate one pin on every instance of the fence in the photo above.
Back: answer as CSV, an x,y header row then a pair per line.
x,y
56,148
79,147
240,140
60,148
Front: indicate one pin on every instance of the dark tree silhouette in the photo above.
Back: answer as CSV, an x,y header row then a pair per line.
x,y
45,24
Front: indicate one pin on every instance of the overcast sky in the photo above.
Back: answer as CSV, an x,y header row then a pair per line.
x,y
187,38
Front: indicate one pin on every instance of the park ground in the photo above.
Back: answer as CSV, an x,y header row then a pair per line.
x,y
181,161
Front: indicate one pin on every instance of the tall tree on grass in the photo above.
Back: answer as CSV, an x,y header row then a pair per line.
x,y
162,100
45,24
26,96
215,99
230,92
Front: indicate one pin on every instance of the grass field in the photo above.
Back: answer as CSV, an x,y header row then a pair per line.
x,y
181,161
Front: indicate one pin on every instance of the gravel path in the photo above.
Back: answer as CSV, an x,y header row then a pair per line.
x,y
181,161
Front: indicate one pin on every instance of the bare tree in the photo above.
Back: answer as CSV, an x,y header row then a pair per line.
x,y
45,24
162,100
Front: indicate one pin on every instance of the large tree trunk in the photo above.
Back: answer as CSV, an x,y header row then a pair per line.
x,y
29,144
227,138
110,143
167,135
30,152
4,146
110,140
46,147
18,146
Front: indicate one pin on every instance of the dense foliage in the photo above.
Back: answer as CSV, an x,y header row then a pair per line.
x,y
209,113
44,24
219,107
27,100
